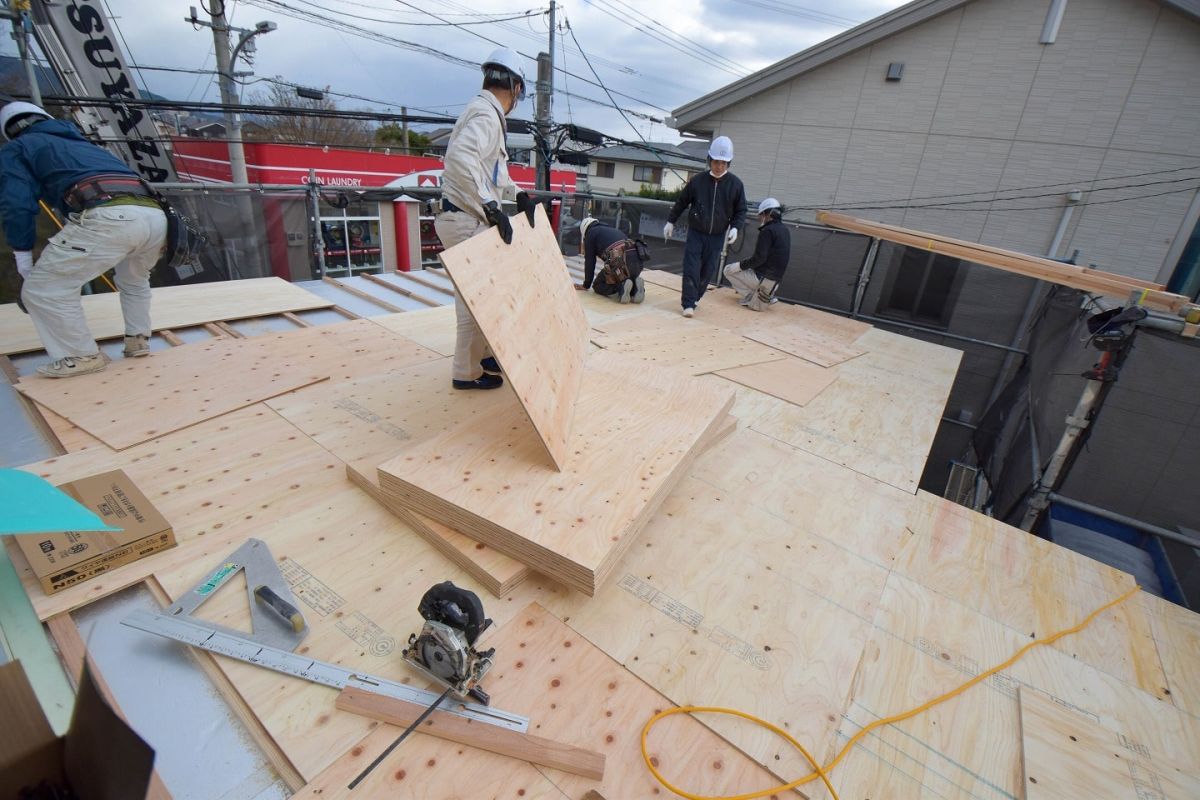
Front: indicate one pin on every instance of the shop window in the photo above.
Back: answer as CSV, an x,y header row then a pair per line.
x,y
605,169
648,174
352,239
922,288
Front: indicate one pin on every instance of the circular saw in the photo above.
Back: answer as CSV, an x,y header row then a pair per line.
x,y
444,649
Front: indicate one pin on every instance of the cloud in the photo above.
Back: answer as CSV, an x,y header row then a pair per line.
x,y
657,56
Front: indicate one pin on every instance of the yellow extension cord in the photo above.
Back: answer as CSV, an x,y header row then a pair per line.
x,y
54,217
822,772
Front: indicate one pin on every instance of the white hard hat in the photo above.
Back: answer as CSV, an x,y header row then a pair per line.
x,y
767,205
721,149
506,59
587,223
16,110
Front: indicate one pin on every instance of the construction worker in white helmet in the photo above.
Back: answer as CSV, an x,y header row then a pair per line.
x,y
112,221
757,277
718,210
475,182
620,277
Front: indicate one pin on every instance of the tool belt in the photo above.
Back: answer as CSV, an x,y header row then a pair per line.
x,y
100,189
622,261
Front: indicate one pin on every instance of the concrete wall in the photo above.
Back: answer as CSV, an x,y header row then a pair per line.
x,y
983,107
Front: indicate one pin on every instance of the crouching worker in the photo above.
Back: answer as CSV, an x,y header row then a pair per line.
x,y
112,221
620,277
757,278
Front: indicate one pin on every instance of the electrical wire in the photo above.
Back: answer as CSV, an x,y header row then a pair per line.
x,y
689,49
800,11
522,15
821,772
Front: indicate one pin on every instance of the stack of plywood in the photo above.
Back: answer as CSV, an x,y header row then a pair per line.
x,y
563,475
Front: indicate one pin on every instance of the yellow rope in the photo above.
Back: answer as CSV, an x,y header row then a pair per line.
x,y
821,772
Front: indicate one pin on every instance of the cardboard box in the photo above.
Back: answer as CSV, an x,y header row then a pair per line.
x,y
66,558
101,757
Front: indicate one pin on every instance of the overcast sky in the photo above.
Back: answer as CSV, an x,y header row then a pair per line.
x,y
657,55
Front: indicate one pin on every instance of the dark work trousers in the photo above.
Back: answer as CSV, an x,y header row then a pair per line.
x,y
603,288
700,257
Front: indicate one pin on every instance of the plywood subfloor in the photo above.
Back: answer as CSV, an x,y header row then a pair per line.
x,y
524,303
485,480
683,344
1068,755
368,421
431,327
791,379
172,307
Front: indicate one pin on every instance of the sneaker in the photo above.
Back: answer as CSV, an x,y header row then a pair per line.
x,y
639,289
484,381
687,312
71,366
137,346
626,291
490,364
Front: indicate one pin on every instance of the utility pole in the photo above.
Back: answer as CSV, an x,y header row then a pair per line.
x,y
404,126
544,112
226,59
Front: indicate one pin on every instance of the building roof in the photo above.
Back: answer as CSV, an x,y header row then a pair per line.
x,y
871,31
662,152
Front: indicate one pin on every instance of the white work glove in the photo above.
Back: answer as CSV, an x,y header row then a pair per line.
x,y
731,237
24,262
668,229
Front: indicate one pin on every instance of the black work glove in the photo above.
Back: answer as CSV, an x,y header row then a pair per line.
x,y
526,203
499,219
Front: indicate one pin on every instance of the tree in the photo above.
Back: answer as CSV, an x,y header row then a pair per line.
x,y
296,127
392,134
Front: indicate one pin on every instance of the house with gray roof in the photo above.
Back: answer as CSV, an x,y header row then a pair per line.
x,y
627,168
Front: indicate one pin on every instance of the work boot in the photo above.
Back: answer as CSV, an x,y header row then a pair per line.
x,y
626,291
490,364
484,381
639,289
71,366
137,346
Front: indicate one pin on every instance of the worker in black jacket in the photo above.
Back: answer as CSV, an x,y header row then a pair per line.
x,y
620,276
718,210
758,276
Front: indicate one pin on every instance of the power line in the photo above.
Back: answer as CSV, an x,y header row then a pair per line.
x,y
800,11
491,21
687,47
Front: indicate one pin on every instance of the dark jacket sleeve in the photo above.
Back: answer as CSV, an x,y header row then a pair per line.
x,y
589,257
19,191
739,205
762,248
685,200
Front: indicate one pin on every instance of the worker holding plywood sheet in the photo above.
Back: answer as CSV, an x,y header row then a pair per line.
x,y
475,182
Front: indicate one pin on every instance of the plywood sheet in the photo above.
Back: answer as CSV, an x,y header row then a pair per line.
x,y
1176,632
368,421
1067,755
484,478
434,328
136,400
880,416
805,342
684,344
171,307
1031,586
791,379
525,304
924,644
667,280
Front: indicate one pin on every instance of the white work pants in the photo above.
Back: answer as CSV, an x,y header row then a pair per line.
x,y
127,237
470,347
742,280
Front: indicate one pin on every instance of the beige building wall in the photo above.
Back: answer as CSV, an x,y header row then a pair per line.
x,y
983,107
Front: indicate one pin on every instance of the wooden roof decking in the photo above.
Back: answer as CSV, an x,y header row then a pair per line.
x,y
794,572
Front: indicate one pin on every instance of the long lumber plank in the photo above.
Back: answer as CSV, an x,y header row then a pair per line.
x,y
514,744
1042,269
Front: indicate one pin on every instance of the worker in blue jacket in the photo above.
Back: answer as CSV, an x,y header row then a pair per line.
x,y
112,221
757,277
718,210
620,275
